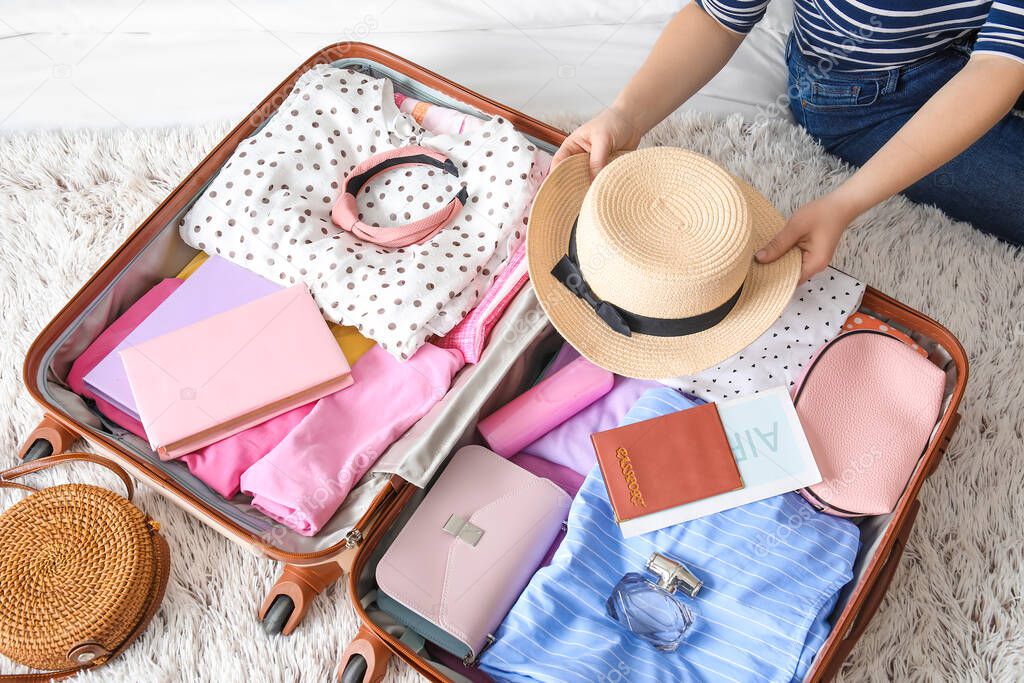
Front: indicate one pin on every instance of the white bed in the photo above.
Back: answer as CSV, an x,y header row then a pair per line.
x,y
104,63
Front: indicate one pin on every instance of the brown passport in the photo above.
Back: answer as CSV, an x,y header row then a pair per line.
x,y
667,461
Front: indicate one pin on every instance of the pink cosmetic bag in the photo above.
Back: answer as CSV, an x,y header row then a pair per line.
x,y
868,404
469,550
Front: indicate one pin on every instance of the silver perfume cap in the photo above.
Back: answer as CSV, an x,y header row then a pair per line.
x,y
674,575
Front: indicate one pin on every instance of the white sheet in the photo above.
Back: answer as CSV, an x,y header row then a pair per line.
x,y
161,62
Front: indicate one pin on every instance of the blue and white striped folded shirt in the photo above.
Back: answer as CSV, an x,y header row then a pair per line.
x,y
869,35
772,573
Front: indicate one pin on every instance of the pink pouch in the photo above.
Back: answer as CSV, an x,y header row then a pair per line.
x,y
868,404
469,549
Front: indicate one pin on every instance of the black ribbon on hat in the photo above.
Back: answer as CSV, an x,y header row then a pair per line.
x,y
568,272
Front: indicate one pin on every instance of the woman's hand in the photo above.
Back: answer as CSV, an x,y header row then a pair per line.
x,y
610,131
940,130
815,228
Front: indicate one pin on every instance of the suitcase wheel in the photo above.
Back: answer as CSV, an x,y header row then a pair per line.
x,y
40,448
355,670
365,660
49,437
278,615
293,593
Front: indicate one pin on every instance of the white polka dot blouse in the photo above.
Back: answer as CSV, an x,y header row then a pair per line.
x,y
269,209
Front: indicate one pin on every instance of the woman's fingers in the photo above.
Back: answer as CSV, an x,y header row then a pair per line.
x,y
815,259
783,241
600,148
816,229
570,146
607,132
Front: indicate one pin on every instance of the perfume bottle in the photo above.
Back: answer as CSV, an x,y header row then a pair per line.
x,y
651,610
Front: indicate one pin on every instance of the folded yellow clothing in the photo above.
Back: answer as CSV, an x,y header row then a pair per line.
x,y
190,267
352,344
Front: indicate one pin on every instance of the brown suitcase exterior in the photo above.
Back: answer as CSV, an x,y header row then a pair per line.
x,y
306,574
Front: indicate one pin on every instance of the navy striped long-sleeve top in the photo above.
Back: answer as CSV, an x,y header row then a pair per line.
x,y
867,35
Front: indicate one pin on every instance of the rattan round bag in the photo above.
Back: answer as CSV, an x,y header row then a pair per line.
x,y
82,571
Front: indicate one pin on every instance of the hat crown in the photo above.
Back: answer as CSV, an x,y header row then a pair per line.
x,y
664,233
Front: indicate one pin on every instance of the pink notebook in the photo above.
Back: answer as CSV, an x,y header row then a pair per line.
x,y
222,375
217,286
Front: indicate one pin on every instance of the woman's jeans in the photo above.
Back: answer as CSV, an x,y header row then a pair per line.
x,y
854,114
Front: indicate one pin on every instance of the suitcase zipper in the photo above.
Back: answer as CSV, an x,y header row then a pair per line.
x,y
355,535
353,538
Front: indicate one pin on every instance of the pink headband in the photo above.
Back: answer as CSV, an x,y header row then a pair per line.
x,y
346,216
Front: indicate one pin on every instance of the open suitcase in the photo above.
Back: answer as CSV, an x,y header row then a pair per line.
x,y
356,536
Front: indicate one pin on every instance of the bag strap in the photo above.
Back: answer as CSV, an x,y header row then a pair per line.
x,y
161,548
44,677
32,466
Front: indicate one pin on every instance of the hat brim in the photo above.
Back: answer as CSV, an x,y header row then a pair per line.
x,y
767,290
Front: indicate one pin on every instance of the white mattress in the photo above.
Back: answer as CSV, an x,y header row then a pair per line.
x,y
101,63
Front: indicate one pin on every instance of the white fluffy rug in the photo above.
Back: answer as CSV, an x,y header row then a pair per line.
x,y
954,611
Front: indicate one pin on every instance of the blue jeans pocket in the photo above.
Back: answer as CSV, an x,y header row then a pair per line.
x,y
835,95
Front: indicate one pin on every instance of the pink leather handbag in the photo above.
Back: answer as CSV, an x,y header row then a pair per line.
x,y
868,404
470,548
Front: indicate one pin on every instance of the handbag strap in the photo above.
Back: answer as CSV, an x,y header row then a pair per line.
x,y
163,551
32,466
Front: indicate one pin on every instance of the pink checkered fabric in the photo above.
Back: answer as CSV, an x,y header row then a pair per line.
x,y
470,335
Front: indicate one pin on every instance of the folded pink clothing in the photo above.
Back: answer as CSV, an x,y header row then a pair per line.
x,y
108,340
220,465
470,335
305,478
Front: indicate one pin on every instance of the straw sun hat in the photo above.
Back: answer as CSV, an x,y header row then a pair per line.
x,y
648,270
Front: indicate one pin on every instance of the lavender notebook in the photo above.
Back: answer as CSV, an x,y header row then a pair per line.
x,y
217,286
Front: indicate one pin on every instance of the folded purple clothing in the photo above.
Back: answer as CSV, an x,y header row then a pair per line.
x,y
568,480
569,443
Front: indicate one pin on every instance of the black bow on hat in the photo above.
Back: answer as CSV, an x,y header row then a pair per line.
x,y
568,272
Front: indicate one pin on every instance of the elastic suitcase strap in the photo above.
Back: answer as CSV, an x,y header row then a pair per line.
x,y
346,215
